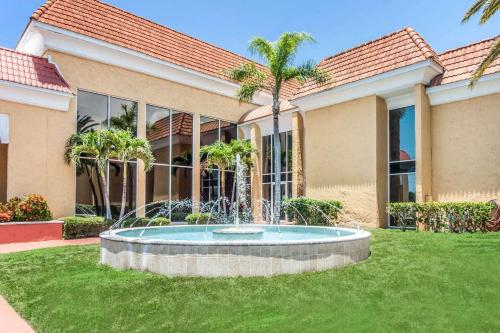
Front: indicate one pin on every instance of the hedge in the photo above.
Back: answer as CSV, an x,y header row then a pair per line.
x,y
92,226
442,216
198,218
83,226
308,211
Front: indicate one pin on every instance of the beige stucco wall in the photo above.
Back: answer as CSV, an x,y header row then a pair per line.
x,y
38,135
346,156
35,155
466,150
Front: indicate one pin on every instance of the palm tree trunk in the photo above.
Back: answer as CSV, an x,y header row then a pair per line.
x,y
124,190
223,190
101,192
92,187
106,195
277,160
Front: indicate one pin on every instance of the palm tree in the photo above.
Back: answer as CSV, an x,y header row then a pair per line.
x,y
127,120
220,155
488,7
99,146
279,59
126,148
87,166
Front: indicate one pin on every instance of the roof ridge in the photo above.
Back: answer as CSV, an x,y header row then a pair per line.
x,y
24,53
469,45
364,44
425,48
42,9
174,30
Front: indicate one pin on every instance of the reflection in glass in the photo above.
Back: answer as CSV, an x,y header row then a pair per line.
x,y
123,114
89,190
402,188
181,189
209,185
158,131
402,134
209,131
115,183
157,183
92,108
182,138
228,131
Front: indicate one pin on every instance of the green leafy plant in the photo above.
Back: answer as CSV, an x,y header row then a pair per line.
x,y
442,216
32,208
198,218
279,59
83,226
127,147
309,211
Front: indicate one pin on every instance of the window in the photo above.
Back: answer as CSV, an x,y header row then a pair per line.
x,y
268,176
170,134
402,184
211,131
96,111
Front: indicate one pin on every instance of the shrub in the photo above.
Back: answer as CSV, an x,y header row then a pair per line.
x,y
198,218
442,216
312,211
32,208
145,221
83,226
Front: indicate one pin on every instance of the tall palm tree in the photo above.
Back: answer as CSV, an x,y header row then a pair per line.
x,y
99,146
126,148
279,59
488,8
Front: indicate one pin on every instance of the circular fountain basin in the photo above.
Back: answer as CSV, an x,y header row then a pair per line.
x,y
237,233
199,250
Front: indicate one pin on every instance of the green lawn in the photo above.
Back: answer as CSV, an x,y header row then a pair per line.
x,y
413,282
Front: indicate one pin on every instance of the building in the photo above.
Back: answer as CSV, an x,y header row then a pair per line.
x,y
396,121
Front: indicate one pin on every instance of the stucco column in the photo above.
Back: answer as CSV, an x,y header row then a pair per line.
x,y
141,174
423,144
256,172
297,155
382,172
196,195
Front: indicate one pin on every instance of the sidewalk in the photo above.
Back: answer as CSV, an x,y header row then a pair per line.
x,y
17,247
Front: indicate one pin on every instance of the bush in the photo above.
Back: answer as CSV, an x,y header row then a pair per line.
x,y
312,211
83,226
198,218
145,221
442,216
32,208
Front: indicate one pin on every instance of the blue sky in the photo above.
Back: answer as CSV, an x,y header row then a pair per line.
x,y
336,25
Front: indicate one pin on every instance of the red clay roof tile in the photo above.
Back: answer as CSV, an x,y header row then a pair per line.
x,y
26,69
462,62
393,51
105,22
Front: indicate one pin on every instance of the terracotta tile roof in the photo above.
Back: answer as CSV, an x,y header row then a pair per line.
x,y
461,63
105,22
264,111
393,51
182,124
22,68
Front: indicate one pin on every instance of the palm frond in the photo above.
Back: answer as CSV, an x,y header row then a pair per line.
x,y
263,48
490,58
307,71
488,7
287,46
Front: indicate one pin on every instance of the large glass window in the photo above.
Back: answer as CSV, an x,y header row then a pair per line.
x,y
96,111
211,131
268,175
402,184
170,134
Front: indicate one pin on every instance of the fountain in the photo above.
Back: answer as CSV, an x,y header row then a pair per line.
x,y
229,249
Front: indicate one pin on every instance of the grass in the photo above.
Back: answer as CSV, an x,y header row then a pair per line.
x,y
413,282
